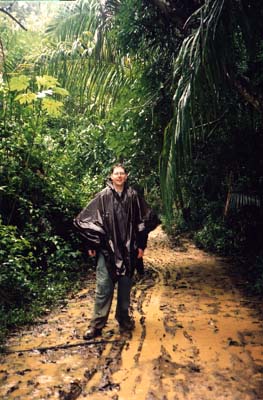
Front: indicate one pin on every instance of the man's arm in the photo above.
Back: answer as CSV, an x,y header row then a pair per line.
x,y
92,253
140,253
89,223
148,221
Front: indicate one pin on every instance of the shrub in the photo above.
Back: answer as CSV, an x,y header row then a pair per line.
x,y
17,265
216,237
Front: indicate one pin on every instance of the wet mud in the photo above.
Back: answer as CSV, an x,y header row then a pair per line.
x,y
197,337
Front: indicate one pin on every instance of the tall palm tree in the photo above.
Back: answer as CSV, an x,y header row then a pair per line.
x,y
205,67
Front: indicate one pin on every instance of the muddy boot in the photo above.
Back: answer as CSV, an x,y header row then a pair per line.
x,y
126,325
92,333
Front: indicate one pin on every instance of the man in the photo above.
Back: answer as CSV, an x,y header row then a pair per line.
x,y
115,226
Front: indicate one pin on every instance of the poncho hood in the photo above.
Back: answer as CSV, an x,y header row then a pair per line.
x,y
110,185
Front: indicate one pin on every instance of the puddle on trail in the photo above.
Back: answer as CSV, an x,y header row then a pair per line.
x,y
196,338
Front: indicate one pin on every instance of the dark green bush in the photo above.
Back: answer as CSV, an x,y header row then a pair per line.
x,y
31,279
17,263
215,237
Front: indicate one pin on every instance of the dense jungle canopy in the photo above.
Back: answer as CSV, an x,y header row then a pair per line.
x,y
172,88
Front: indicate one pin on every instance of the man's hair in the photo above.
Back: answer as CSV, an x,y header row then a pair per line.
x,y
119,165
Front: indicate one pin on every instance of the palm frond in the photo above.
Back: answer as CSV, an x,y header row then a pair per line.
x,y
73,19
82,56
201,69
236,200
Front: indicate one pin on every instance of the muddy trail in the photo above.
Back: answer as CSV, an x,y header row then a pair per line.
x,y
197,337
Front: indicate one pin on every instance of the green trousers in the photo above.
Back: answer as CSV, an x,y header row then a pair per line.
x,y
104,295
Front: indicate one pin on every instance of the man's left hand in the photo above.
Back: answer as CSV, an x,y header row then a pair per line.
x,y
140,253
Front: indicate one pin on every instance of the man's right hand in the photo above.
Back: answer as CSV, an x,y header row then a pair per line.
x,y
92,253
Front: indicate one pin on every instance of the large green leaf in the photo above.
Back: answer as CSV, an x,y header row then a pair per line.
x,y
46,81
26,98
60,91
52,107
19,83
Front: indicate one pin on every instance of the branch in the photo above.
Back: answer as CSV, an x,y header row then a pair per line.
x,y
13,18
169,13
177,13
249,97
2,55
62,346
210,122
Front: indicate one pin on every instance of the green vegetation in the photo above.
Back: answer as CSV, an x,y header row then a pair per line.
x,y
172,89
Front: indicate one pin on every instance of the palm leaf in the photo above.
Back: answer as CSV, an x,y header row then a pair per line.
x,y
236,200
92,78
201,69
72,20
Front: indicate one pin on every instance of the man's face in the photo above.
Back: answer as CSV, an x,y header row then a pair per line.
x,y
119,177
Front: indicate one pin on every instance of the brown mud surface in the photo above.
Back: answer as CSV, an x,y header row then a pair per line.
x,y
197,337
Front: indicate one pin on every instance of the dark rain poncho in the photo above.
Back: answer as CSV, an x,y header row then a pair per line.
x,y
117,225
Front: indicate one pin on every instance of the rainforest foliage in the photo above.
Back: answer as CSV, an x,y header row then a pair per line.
x,y
173,89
